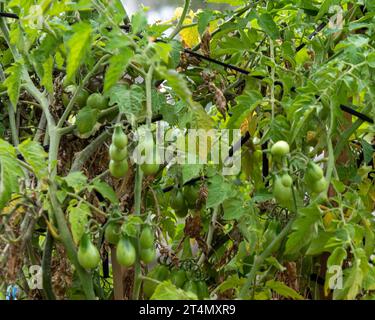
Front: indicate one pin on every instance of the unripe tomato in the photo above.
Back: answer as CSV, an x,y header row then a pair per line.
x,y
178,203
160,273
286,180
117,154
280,149
147,238
151,165
118,169
191,193
125,252
82,98
150,169
88,255
112,233
191,286
319,186
97,101
282,194
314,171
119,138
178,278
148,255
202,290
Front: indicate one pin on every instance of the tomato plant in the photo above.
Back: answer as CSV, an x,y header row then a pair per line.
x,y
257,124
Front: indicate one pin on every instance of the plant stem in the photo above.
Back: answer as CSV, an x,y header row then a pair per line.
x,y
137,211
78,90
211,230
259,259
46,267
181,21
148,83
66,238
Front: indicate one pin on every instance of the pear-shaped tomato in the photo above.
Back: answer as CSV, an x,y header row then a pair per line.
x,y
178,278
202,290
280,149
88,255
282,194
148,255
118,169
117,154
97,101
147,238
319,186
119,138
191,193
314,172
125,252
191,286
178,203
112,233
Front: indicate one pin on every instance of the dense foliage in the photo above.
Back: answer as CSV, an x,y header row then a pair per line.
x,y
80,78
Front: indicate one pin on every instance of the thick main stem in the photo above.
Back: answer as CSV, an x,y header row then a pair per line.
x,y
137,211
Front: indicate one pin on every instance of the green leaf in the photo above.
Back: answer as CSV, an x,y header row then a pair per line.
x,y
177,82
78,219
76,180
231,2
35,156
218,191
163,50
190,171
106,191
128,99
117,66
269,26
203,21
78,46
10,171
138,22
283,290
167,291
13,82
246,104
233,209
324,8
130,228
303,229
47,79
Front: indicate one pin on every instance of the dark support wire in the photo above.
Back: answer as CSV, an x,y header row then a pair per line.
x,y
9,15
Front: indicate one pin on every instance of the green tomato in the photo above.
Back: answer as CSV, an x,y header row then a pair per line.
x,y
280,149
314,172
191,286
88,255
319,186
147,238
112,233
118,169
286,180
191,193
150,169
119,138
97,101
202,290
117,154
148,255
86,119
282,194
82,98
125,252
178,203
178,278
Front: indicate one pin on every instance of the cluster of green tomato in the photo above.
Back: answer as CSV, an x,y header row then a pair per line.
x,y
126,252
179,277
283,185
89,106
118,152
185,199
